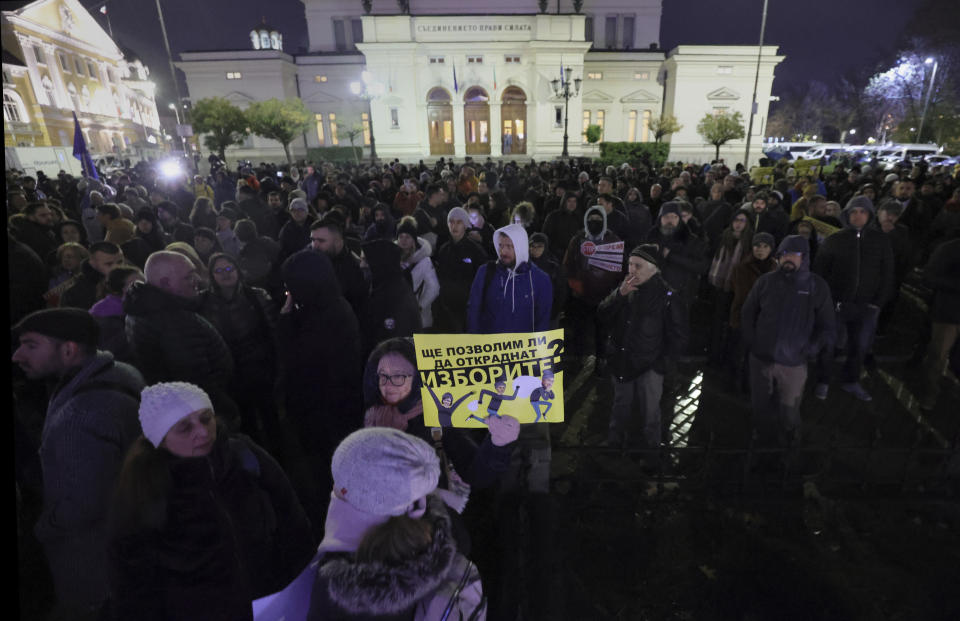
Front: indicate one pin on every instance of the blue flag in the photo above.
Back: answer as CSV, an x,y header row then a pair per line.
x,y
456,89
80,151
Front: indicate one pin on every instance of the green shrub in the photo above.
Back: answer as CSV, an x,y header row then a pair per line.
x,y
333,154
616,153
593,133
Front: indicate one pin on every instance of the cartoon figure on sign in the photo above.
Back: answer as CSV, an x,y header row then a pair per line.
x,y
496,399
446,405
543,396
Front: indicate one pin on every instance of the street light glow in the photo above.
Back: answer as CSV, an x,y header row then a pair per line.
x,y
853,132
355,88
172,106
928,60
367,77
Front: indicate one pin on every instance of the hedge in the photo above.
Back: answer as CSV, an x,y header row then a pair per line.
x,y
334,154
616,153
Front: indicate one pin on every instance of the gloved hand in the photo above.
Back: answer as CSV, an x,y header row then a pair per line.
x,y
503,429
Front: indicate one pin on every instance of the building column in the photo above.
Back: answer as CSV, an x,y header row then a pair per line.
x,y
496,130
459,130
423,125
59,86
530,125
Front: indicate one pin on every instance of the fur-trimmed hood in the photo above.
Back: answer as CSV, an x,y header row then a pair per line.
x,y
375,588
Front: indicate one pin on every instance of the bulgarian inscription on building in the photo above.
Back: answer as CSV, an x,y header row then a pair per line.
x,y
474,28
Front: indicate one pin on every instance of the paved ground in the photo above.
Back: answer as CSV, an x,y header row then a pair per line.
x,y
862,523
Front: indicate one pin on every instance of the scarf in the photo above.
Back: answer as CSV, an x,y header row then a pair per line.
x,y
722,267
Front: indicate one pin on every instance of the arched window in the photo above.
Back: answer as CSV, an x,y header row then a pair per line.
x,y
437,95
476,94
13,110
275,40
255,39
265,40
514,94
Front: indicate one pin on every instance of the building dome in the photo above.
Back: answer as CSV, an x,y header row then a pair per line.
x,y
266,37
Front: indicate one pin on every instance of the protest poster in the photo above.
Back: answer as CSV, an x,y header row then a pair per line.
x,y
805,168
607,257
468,377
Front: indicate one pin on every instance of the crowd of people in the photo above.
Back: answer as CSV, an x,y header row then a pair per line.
x,y
173,324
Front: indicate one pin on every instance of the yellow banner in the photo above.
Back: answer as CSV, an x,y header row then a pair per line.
x,y
806,167
469,377
824,229
762,175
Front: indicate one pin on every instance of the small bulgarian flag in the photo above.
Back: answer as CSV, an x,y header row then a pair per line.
x,y
456,89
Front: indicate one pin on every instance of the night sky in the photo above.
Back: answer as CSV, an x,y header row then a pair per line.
x,y
822,39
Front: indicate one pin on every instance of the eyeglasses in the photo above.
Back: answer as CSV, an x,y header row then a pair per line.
x,y
396,380
226,269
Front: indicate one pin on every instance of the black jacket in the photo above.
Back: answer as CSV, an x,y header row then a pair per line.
x,y
171,341
319,353
646,329
392,308
788,317
353,284
233,532
858,265
27,278
86,291
773,220
294,238
457,264
941,275
560,227
40,238
248,324
686,261
261,215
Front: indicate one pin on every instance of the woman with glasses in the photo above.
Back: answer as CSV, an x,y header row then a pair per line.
x,y
246,318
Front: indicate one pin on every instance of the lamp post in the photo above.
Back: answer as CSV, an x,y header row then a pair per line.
x,y
183,139
368,89
561,88
926,101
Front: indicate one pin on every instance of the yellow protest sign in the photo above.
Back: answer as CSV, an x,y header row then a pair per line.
x,y
469,377
762,175
806,167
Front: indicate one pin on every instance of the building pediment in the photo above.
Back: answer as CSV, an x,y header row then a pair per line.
x,y
723,94
597,96
640,96
69,19
236,97
320,97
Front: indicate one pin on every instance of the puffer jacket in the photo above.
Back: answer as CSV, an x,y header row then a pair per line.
x,y
426,287
788,317
232,531
646,329
858,265
248,324
171,341
90,423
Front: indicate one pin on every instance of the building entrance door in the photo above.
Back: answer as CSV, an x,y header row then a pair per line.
x,y
440,122
476,120
513,118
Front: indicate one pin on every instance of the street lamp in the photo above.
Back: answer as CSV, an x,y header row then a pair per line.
x,y
368,89
561,88
176,112
926,102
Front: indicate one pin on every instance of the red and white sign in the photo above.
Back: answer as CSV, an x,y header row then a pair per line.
x,y
587,248
607,257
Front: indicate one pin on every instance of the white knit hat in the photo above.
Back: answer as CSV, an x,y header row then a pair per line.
x,y
163,405
382,471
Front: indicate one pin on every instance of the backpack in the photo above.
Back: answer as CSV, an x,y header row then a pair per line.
x,y
458,598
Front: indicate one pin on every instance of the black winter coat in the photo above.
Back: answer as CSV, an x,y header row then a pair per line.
x,y
27,278
40,238
86,291
319,353
353,285
646,329
773,220
233,532
686,261
858,266
294,237
171,341
457,265
941,274
560,227
248,324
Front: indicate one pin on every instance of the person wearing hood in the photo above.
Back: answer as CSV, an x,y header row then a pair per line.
x,y
648,331
563,224
787,319
512,294
383,226
457,263
392,309
169,337
683,256
418,268
319,339
858,264
246,318
590,276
